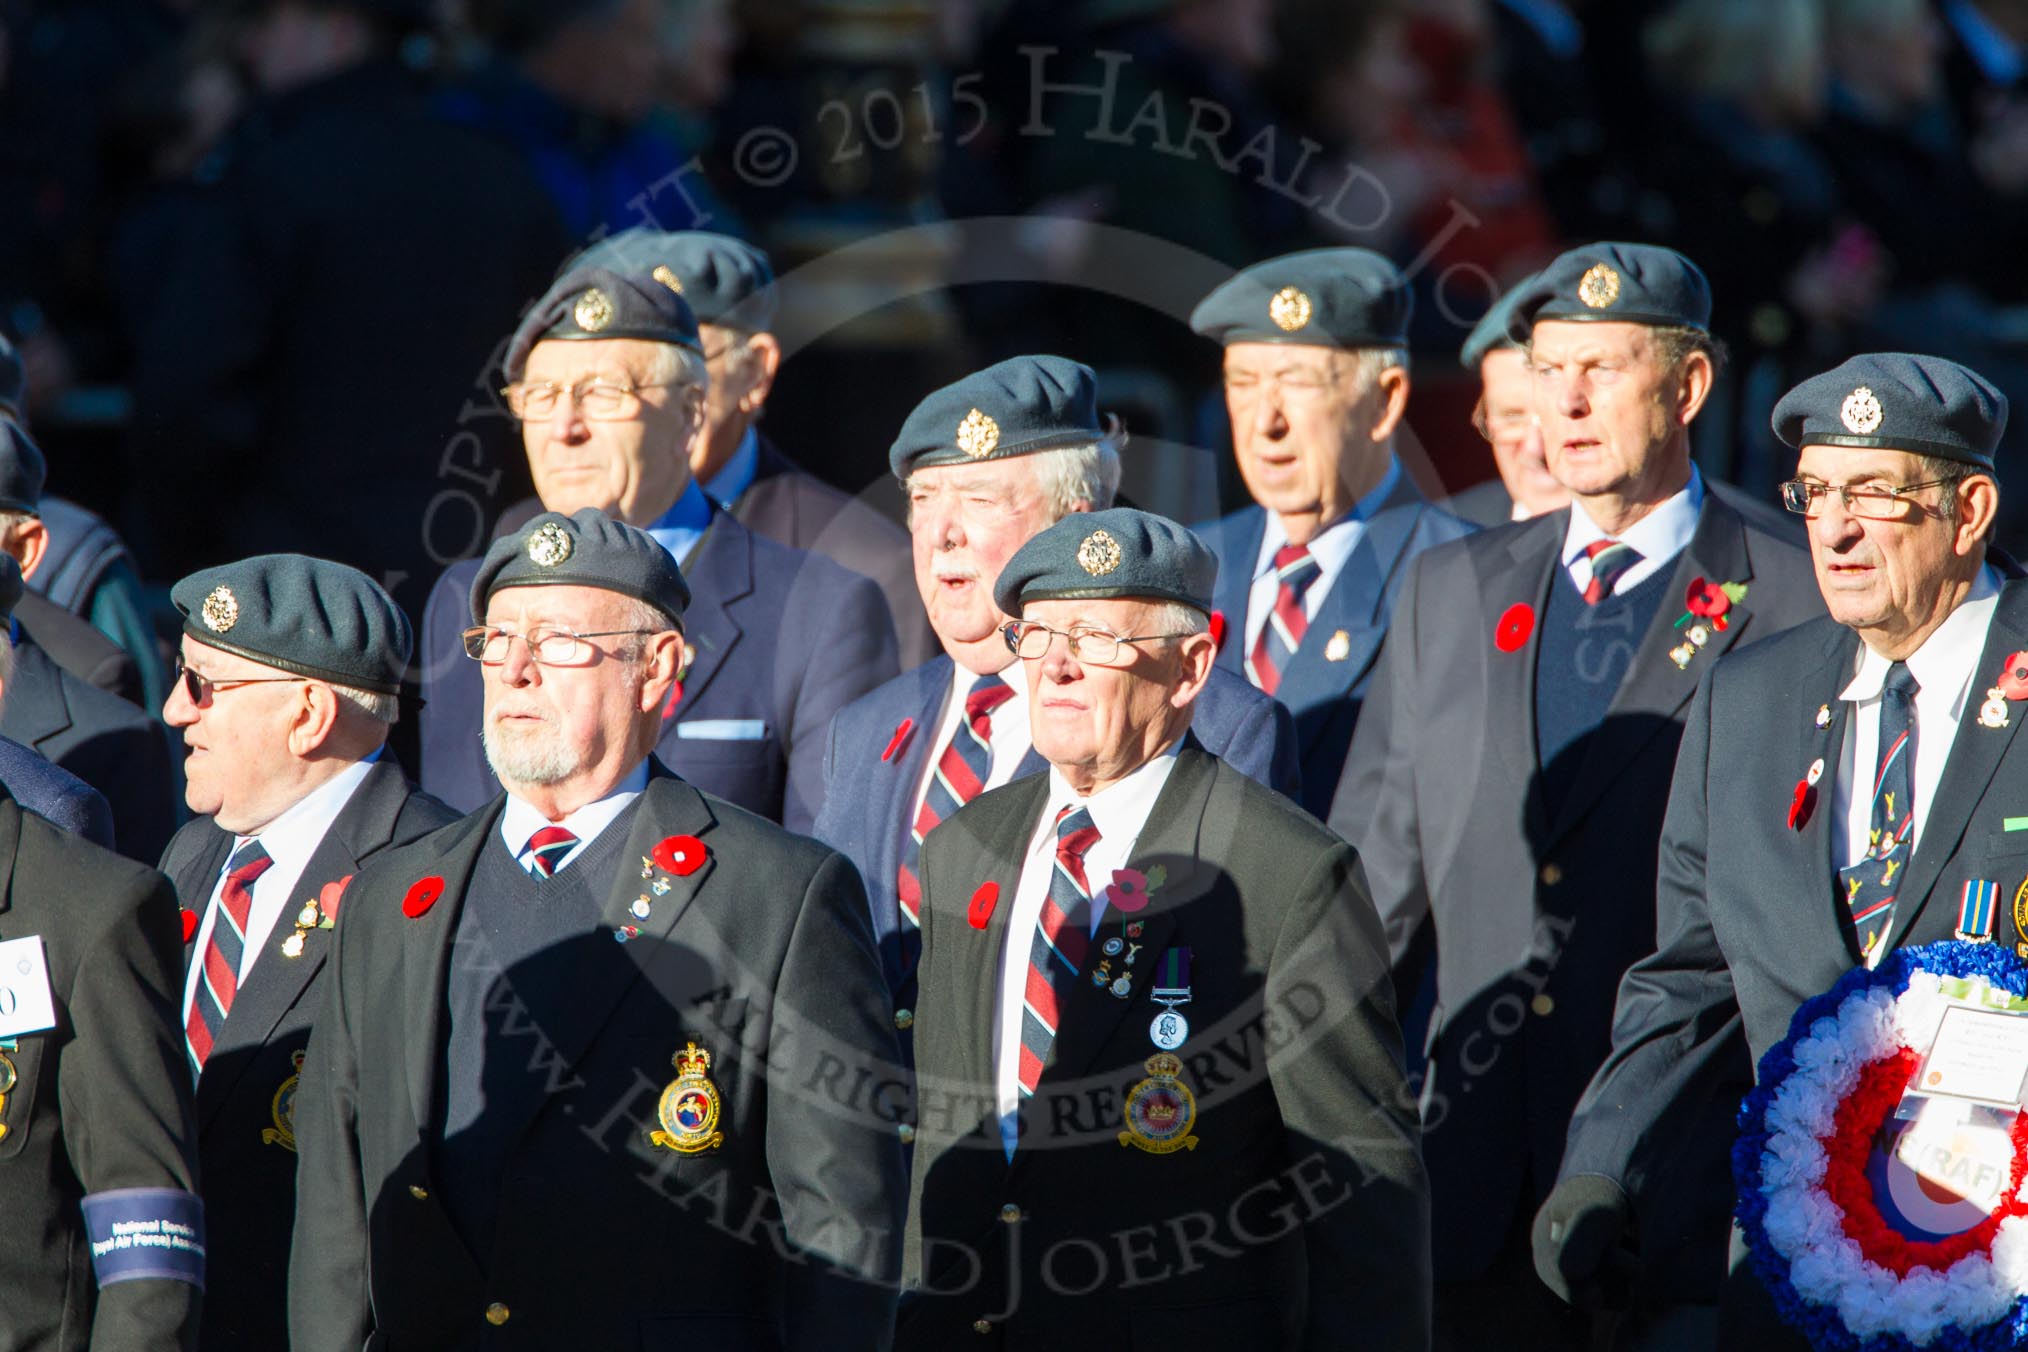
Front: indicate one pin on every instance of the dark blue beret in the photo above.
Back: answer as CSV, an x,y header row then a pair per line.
x,y
1322,297
1490,333
1117,552
585,549
1628,283
725,280
598,302
22,470
1017,407
13,379
1897,401
309,616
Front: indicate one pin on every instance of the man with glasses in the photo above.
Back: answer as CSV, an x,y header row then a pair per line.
x,y
1507,782
1156,1049
592,1069
987,463
1840,792
286,688
1522,485
1316,384
609,382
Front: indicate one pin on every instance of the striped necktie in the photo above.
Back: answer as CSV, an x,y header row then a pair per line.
x,y
960,777
218,982
1871,884
546,849
1295,570
1062,937
1610,561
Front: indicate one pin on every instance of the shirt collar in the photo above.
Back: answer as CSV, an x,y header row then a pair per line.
x,y
1120,810
678,529
291,838
737,476
520,820
1947,659
1661,534
1331,546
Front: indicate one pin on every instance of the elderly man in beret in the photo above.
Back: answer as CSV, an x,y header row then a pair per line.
x,y
1504,415
1316,383
1506,786
987,463
609,381
731,288
554,1029
1890,723
1156,1048
286,690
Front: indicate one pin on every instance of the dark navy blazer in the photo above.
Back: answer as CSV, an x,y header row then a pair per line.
x,y
783,638
54,793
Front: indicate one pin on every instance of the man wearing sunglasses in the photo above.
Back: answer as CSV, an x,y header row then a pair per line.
x,y
1843,790
608,379
286,688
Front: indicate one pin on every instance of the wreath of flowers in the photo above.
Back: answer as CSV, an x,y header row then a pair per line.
x,y
1835,1267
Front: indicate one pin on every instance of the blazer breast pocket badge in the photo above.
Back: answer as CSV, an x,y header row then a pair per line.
x,y
689,1107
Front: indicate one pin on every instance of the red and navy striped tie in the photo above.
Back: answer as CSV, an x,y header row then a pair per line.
x,y
960,777
218,980
1872,884
547,847
1295,570
1610,560
1062,938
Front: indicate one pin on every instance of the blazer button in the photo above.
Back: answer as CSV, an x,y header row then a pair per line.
x,y
904,1019
1552,874
1010,1213
905,1132
417,1191
982,1326
1543,1005
496,1314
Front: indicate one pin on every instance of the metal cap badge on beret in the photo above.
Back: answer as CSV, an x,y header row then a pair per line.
x,y
585,549
22,470
598,302
1323,297
309,616
1117,552
1627,283
725,280
1016,407
1490,333
1897,401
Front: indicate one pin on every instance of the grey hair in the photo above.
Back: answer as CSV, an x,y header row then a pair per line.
x,y
638,614
1174,617
1369,362
673,365
381,708
1088,474
1952,473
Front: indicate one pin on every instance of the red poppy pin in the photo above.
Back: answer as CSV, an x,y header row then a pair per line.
x,y
1804,801
899,740
1705,607
680,855
422,895
189,924
328,898
2010,685
983,902
1131,888
1517,622
1217,630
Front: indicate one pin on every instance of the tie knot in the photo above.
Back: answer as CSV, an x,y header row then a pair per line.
x,y
1291,560
1900,682
988,694
1075,832
1598,547
249,862
547,847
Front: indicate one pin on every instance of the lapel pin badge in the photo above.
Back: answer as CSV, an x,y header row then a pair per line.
x,y
1339,648
1517,622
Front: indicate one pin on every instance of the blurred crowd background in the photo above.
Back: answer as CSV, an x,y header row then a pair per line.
x,y
260,255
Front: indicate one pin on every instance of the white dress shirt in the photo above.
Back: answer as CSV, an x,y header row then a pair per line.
x,y
1330,547
1119,811
290,840
519,821
1947,678
1007,730
1657,537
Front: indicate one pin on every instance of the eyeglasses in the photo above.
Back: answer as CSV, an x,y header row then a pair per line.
x,y
200,689
546,647
1878,502
1030,639
601,400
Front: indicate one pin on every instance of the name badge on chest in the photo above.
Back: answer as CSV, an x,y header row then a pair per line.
x,y
26,1005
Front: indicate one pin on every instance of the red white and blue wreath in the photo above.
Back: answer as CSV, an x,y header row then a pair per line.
x,y
1861,1251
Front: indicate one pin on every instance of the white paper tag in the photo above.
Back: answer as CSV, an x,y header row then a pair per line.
x,y
1979,1054
25,1002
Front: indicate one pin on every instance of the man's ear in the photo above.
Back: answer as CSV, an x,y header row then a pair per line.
x,y
1694,383
765,361
316,714
661,668
28,542
1978,504
1391,388
1196,654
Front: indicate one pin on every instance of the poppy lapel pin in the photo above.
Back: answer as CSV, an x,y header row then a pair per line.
x,y
980,912
422,894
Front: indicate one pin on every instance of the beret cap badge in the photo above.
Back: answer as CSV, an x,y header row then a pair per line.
x,y
667,278
220,610
1099,554
549,546
978,435
1599,287
1860,412
593,311
1290,309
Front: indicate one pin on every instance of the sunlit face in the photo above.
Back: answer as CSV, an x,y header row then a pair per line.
x,y
633,468
1104,722
238,764
965,522
1884,576
738,387
1508,421
1303,428
1609,408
